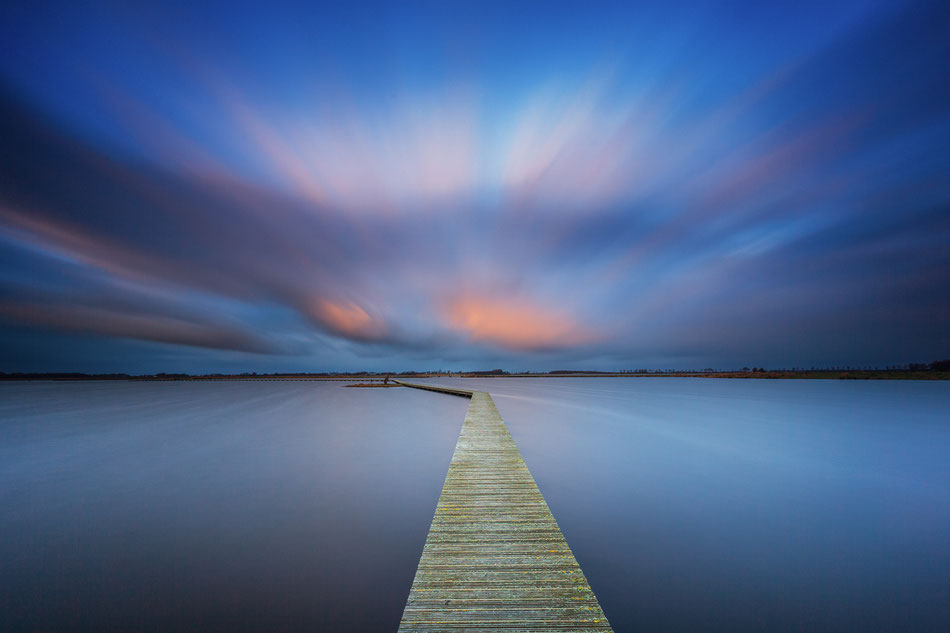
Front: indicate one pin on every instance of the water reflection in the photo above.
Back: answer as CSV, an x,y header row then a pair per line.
x,y
746,505
692,504
215,506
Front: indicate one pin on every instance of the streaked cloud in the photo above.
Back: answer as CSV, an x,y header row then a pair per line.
x,y
74,317
514,323
348,320
581,203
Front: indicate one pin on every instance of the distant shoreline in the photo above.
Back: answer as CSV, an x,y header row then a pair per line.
x,y
854,374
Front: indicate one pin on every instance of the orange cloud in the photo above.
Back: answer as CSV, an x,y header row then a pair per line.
x,y
514,323
347,319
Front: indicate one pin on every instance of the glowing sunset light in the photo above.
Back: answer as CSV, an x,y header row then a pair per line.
x,y
515,324
347,319
609,185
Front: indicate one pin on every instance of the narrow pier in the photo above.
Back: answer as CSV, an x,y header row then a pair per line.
x,y
495,558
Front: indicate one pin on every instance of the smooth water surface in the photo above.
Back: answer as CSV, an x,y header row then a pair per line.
x,y
215,506
691,504
698,504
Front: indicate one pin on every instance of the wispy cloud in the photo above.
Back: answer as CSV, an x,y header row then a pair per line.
x,y
542,211
515,323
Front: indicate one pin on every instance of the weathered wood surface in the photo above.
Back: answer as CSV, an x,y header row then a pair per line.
x,y
495,558
465,393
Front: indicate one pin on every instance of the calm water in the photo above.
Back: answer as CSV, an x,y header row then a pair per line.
x,y
692,504
746,505
295,506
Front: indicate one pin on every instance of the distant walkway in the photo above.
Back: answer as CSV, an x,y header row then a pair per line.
x,y
495,558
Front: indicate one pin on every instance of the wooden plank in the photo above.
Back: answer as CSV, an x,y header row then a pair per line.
x,y
495,558
465,393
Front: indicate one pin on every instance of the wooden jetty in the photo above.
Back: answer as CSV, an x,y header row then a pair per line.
x,y
495,558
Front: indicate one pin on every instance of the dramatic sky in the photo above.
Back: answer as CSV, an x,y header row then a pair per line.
x,y
203,186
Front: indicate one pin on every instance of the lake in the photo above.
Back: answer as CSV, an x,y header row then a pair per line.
x,y
691,504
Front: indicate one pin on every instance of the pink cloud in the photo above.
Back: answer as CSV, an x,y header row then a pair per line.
x,y
347,319
516,323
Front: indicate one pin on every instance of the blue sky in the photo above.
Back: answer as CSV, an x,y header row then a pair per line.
x,y
284,187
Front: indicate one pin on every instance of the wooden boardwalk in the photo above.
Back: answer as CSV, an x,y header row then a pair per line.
x,y
495,558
